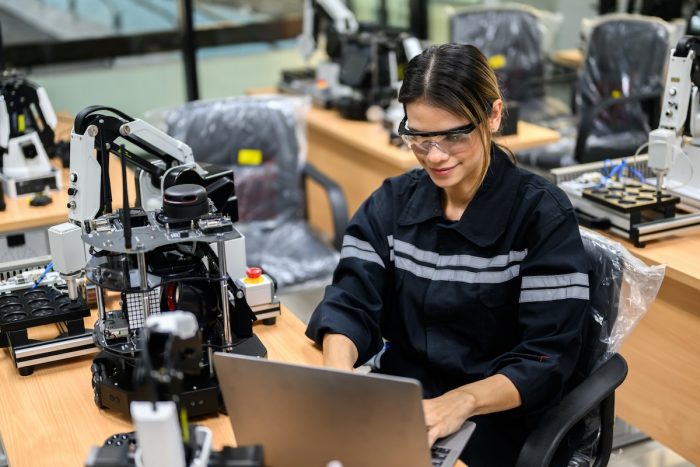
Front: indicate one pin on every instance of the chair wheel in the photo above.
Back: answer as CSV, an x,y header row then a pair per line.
x,y
269,321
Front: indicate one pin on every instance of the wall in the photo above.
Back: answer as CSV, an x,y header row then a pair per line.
x,y
149,82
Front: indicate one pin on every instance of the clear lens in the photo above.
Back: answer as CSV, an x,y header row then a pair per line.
x,y
447,144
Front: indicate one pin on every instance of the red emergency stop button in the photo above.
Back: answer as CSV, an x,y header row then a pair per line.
x,y
253,273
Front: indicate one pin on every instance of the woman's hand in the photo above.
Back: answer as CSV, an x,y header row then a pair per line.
x,y
446,414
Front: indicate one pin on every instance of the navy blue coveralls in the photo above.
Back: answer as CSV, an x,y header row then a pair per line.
x,y
502,290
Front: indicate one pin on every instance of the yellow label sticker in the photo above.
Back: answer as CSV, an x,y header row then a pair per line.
x,y
250,157
21,125
616,94
497,61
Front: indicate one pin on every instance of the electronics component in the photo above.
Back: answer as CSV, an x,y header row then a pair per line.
x,y
259,290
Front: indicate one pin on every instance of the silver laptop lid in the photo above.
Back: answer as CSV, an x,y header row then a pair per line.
x,y
309,416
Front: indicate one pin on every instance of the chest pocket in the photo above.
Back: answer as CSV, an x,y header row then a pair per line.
x,y
499,310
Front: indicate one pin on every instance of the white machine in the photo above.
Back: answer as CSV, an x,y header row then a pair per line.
x,y
27,123
674,147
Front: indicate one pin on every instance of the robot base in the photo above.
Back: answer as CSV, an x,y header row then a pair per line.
x,y
112,383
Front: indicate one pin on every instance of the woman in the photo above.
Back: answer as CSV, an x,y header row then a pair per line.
x,y
468,275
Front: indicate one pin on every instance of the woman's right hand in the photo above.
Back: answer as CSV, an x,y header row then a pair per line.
x,y
339,352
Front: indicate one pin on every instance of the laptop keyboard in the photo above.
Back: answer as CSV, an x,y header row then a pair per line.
x,y
438,455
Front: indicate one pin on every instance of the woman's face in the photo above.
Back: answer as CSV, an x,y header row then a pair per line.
x,y
455,160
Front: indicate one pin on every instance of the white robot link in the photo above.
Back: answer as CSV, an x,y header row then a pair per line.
x,y
679,124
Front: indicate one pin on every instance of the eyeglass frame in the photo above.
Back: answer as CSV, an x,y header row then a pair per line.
x,y
405,132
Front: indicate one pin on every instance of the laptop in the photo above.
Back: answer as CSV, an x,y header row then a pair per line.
x,y
311,416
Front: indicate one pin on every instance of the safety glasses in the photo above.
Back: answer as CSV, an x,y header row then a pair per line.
x,y
447,141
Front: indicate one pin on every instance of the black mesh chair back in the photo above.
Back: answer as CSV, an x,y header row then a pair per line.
x,y
511,39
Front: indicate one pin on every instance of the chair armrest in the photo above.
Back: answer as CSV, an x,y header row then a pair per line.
x,y
584,129
544,440
336,199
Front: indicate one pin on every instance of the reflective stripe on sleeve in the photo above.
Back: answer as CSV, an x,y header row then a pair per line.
x,y
360,249
554,287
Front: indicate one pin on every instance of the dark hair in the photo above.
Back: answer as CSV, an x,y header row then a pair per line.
x,y
458,79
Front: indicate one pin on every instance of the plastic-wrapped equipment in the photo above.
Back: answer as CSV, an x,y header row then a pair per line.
x,y
263,139
622,288
626,55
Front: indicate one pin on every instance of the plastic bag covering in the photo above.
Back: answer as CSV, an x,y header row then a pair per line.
x,y
263,139
513,39
626,55
510,39
622,288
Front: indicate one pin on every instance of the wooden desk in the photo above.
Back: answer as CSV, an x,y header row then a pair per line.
x,y
661,395
49,418
571,58
358,156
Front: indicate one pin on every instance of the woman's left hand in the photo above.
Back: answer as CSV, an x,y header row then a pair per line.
x,y
446,414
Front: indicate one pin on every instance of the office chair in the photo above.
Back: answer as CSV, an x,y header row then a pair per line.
x,y
618,93
263,139
514,38
616,279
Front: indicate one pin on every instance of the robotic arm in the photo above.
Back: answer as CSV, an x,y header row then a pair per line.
x,y
680,113
27,123
162,162
25,107
344,22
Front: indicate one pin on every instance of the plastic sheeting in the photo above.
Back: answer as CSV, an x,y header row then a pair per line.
x,y
263,139
622,288
512,37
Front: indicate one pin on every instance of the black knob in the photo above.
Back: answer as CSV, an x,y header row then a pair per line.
x,y
186,201
72,191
